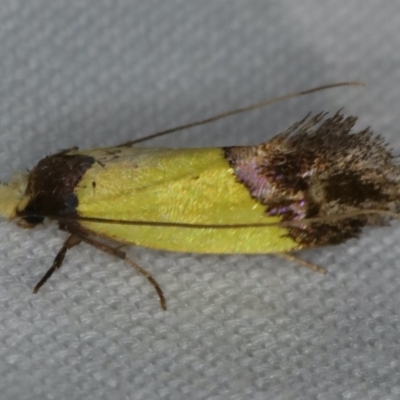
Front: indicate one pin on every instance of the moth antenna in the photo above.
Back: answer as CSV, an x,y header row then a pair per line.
x,y
239,111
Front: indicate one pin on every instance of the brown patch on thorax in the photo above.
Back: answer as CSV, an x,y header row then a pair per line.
x,y
51,187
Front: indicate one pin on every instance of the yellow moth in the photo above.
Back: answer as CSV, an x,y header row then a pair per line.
x,y
315,184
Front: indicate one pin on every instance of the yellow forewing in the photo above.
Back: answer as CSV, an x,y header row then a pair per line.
x,y
174,185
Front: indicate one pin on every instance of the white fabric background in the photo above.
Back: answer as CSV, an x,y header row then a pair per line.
x,y
94,73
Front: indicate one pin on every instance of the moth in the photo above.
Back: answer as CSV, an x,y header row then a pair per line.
x,y
318,183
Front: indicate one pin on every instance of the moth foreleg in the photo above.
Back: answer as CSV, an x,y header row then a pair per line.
x,y
58,260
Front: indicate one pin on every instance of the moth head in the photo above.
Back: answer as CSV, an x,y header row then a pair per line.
x,y
12,196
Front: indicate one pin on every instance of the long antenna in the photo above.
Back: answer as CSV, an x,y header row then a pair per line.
x,y
239,111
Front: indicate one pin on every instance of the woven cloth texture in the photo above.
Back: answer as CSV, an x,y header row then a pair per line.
x,y
96,73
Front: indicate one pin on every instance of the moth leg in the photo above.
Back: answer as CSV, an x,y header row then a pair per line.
x,y
115,251
304,263
58,260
